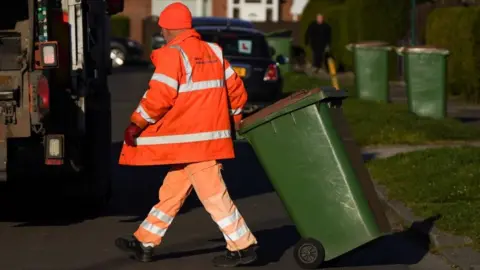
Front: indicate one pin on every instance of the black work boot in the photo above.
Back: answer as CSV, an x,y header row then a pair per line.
x,y
132,245
236,258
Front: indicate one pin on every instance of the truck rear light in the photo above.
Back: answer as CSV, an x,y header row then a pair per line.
x,y
43,91
49,55
54,149
46,55
272,73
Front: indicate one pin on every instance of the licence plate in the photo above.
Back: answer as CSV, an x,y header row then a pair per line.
x,y
240,71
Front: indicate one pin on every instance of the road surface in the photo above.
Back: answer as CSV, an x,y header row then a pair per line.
x,y
61,237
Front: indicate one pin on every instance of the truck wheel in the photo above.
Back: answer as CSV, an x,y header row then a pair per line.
x,y
309,253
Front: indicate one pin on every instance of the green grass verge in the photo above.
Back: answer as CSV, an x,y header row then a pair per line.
x,y
436,181
374,123
296,81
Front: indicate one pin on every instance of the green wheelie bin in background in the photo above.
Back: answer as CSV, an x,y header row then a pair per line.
x,y
371,69
307,151
281,42
425,77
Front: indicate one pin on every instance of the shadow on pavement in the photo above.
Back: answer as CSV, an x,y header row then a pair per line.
x,y
406,248
401,248
469,120
369,156
270,251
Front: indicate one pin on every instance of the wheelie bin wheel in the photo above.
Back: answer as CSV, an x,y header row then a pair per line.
x,y
309,253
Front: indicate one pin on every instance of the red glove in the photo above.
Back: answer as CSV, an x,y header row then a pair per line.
x,y
131,133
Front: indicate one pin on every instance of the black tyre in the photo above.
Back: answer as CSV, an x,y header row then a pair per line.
x,y
309,253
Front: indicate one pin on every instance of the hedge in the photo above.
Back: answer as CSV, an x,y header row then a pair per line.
x,y
359,20
120,26
462,39
384,20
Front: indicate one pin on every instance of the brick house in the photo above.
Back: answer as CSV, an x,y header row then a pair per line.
x,y
260,10
253,10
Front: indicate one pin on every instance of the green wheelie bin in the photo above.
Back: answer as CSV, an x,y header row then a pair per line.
x,y
281,42
425,77
371,70
304,145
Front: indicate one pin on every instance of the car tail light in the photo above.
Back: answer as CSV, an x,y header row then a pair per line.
x,y
272,73
43,91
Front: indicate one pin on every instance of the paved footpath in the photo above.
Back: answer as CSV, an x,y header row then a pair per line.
x,y
37,234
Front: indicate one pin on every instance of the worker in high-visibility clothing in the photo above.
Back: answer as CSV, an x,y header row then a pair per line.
x,y
184,120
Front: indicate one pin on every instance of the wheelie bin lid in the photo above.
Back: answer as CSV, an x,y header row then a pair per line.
x,y
296,101
369,45
422,49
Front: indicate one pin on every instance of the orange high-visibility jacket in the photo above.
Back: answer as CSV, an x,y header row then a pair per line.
x,y
185,109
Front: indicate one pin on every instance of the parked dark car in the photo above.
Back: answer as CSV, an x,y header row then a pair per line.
x,y
221,21
250,56
124,50
158,41
248,52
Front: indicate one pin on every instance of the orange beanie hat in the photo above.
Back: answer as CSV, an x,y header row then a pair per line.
x,y
175,16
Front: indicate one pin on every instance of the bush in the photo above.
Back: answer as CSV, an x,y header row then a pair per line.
x,y
120,26
462,39
379,20
385,20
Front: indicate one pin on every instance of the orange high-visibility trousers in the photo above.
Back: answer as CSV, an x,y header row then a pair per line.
x,y
206,179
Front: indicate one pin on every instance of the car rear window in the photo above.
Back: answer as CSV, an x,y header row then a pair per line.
x,y
238,44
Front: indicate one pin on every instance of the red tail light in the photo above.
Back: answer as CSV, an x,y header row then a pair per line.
x,y
43,91
272,73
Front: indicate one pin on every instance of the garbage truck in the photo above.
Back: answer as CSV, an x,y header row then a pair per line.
x,y
54,98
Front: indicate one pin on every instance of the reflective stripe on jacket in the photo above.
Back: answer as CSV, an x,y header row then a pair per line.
x,y
185,110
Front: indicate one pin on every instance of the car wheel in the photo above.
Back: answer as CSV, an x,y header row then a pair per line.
x,y
118,57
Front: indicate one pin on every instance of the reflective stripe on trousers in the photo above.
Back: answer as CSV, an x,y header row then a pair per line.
x,y
206,179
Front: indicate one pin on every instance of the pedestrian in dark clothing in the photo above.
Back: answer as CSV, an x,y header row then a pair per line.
x,y
318,37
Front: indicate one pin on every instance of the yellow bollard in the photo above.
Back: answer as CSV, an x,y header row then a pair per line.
x,y
333,73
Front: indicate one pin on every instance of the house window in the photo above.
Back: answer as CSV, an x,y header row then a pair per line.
x,y
269,16
254,10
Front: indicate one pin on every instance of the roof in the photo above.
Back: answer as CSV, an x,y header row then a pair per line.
x,y
221,21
